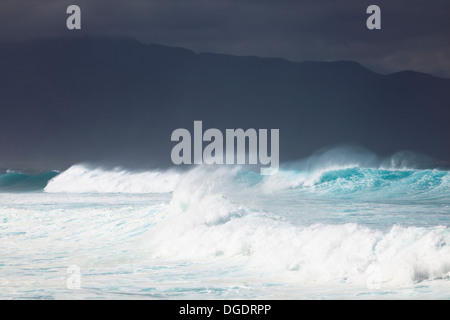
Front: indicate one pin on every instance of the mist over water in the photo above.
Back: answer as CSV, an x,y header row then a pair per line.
x,y
343,223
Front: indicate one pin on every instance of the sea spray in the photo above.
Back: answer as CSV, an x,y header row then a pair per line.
x,y
327,229
82,179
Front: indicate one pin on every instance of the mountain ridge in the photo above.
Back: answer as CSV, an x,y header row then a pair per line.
x,y
116,99
134,41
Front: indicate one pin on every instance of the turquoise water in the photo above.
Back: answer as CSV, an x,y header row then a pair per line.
x,y
334,231
11,181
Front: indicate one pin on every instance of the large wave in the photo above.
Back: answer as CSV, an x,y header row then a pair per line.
x,y
203,222
356,171
83,179
11,181
211,218
326,181
364,182
332,180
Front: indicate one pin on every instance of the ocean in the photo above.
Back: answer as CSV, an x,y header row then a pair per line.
x,y
321,228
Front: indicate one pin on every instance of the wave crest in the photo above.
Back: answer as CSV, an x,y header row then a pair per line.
x,y
81,179
12,181
202,222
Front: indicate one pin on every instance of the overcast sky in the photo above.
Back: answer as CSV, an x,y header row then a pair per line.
x,y
415,34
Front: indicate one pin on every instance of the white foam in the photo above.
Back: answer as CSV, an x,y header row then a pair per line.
x,y
80,179
287,179
203,224
203,229
308,172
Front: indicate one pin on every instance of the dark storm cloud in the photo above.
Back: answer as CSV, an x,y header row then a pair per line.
x,y
414,33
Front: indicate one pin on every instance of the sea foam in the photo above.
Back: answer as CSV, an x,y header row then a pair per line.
x,y
82,179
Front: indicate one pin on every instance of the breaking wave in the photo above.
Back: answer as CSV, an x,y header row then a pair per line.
x,y
213,216
81,179
203,222
331,181
12,181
